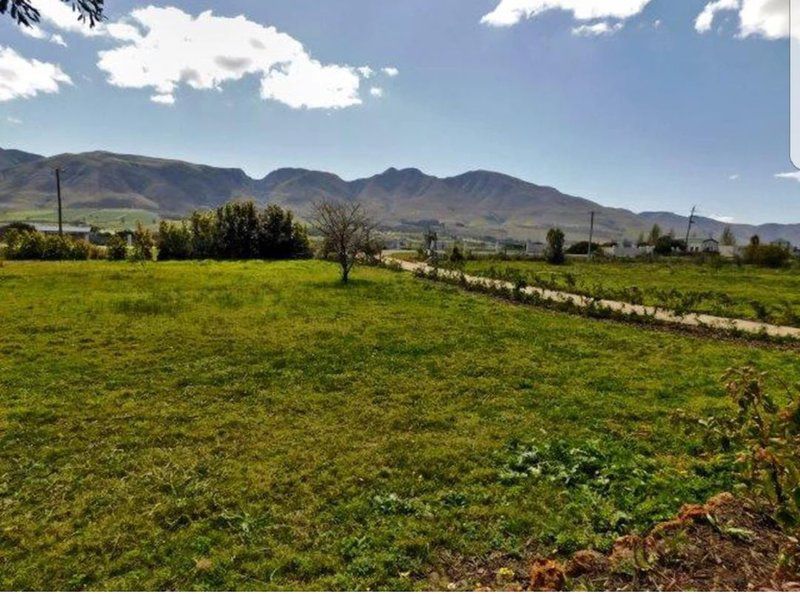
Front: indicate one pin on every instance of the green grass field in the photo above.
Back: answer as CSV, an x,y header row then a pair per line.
x,y
727,289
112,219
258,425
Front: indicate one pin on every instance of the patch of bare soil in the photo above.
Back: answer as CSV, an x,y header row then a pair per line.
x,y
728,544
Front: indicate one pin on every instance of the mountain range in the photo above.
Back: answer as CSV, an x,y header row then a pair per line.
x,y
476,203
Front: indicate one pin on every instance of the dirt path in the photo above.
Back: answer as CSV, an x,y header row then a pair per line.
x,y
664,315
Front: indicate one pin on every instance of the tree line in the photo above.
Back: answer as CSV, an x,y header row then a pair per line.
x,y
234,231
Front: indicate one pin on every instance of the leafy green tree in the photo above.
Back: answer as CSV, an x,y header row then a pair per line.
x,y
581,248
280,237
728,238
655,235
555,246
143,244
666,245
174,241
457,258
237,233
204,234
117,248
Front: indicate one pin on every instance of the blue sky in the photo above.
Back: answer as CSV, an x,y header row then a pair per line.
x,y
649,114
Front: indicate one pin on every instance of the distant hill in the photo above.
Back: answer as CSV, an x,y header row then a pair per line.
x,y
476,203
12,157
108,180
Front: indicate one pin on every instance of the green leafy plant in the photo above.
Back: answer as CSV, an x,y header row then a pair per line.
x,y
770,439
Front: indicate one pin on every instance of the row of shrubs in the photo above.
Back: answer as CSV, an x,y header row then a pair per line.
x,y
235,231
23,244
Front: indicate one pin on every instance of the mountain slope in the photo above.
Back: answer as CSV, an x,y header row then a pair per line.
x,y
107,180
476,203
12,157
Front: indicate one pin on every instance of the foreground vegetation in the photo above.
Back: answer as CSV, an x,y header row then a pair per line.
x,y
260,425
714,287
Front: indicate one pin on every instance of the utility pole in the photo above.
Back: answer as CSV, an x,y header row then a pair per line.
x,y
689,228
58,191
591,236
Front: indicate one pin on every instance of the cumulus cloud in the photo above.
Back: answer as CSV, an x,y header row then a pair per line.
x,y
23,78
597,29
795,175
391,71
734,177
60,15
14,121
706,18
511,12
765,18
376,92
164,48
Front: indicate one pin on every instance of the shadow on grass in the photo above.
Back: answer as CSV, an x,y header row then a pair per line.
x,y
336,283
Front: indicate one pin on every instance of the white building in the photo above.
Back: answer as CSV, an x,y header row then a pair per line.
x,y
535,249
703,246
73,231
626,251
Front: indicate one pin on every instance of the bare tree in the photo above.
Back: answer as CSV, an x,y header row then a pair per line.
x,y
346,230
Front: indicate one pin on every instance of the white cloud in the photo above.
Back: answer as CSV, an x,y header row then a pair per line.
x,y
307,83
376,92
164,99
23,78
597,29
391,71
722,218
14,121
511,12
706,18
164,48
37,32
764,18
795,175
734,177
60,15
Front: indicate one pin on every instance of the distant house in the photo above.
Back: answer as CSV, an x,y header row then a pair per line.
x,y
73,231
535,249
703,246
626,250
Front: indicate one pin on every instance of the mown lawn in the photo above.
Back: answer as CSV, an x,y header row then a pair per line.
x,y
724,289
257,425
